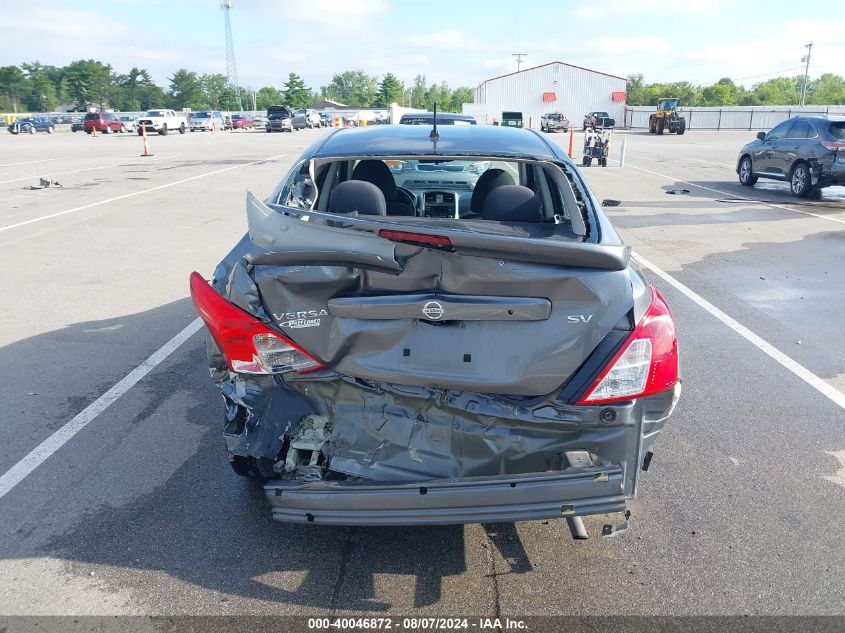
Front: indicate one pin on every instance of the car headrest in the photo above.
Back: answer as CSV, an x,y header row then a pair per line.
x,y
376,172
357,195
488,181
512,203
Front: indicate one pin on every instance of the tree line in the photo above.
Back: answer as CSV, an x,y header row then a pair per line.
x,y
828,89
36,87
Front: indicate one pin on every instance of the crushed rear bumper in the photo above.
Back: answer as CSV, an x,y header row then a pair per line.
x,y
554,494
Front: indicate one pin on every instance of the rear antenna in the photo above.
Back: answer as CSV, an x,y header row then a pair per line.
x,y
435,135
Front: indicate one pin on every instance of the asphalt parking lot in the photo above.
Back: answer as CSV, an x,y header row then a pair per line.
x,y
139,513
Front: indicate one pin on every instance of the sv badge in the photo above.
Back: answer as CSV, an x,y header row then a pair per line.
x,y
579,318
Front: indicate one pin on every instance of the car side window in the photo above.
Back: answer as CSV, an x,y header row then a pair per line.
x,y
779,131
801,129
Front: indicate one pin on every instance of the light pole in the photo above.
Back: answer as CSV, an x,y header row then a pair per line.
x,y
806,59
518,57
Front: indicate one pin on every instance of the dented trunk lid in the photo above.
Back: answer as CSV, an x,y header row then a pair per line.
x,y
498,313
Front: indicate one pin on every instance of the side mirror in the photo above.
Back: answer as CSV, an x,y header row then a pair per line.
x,y
761,136
607,202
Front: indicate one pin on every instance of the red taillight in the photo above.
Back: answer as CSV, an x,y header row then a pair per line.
x,y
249,346
645,365
423,239
834,145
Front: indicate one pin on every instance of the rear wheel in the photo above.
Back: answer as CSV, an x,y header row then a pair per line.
x,y
603,162
682,126
260,469
799,181
746,172
182,129
32,129
122,129
50,130
163,131
660,125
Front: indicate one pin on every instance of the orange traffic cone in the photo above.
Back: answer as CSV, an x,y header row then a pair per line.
x,y
146,144
571,137
94,130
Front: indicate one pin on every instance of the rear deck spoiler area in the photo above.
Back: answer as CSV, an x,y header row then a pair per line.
x,y
307,237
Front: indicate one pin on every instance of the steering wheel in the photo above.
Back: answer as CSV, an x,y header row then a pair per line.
x,y
408,197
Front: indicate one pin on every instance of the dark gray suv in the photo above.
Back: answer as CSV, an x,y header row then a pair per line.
x,y
806,151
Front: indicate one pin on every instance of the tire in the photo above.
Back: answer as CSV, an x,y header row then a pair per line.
x,y
589,160
252,468
682,127
661,123
746,172
32,130
106,130
182,128
651,129
140,133
50,130
603,162
584,161
799,180
163,130
122,129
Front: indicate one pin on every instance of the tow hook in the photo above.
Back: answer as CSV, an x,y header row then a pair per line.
x,y
609,529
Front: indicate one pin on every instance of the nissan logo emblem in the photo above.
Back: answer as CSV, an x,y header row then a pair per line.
x,y
433,310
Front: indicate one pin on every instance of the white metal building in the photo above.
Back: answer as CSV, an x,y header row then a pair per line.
x,y
553,87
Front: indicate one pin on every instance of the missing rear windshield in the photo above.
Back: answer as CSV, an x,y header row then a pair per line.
x,y
436,190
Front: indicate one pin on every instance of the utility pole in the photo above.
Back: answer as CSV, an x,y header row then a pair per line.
x,y
806,59
519,57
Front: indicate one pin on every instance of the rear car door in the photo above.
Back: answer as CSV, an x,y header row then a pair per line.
x,y
798,145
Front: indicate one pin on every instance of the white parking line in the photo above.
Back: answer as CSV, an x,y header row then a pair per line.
x,y
735,195
43,451
44,160
827,390
135,193
76,171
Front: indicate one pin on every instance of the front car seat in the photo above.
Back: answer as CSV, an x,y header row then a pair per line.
x,y
357,195
489,180
377,173
512,203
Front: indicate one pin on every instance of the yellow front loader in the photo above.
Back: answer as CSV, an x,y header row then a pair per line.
x,y
667,119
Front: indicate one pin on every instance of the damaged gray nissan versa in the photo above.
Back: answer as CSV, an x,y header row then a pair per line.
x,y
433,326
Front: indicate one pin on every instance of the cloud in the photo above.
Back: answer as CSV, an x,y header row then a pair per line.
x,y
446,39
628,45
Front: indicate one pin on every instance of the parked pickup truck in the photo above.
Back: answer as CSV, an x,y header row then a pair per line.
x,y
554,121
598,120
161,121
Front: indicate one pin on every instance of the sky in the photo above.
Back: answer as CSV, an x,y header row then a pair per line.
x,y
462,42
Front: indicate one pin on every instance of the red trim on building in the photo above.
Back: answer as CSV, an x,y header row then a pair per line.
x,y
598,72
548,97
